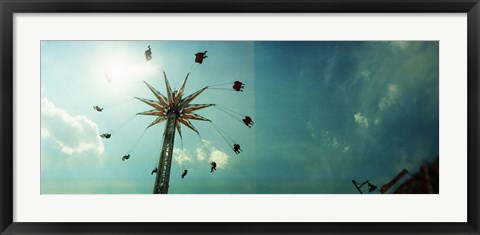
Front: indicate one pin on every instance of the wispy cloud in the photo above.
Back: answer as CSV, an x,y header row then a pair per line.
x,y
335,142
400,44
365,75
310,129
72,134
361,120
181,156
201,155
393,93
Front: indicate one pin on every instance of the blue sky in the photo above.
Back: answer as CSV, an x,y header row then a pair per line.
x,y
325,113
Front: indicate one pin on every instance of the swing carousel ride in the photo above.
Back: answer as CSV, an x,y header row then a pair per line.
x,y
174,109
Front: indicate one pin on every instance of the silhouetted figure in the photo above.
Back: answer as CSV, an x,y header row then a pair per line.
x,y
96,107
184,173
238,86
200,56
106,135
148,53
154,171
248,121
236,148
126,157
214,166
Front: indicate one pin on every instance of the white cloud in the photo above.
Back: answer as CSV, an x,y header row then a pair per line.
x,y
201,155
215,155
72,134
219,157
346,149
393,92
200,151
361,120
181,156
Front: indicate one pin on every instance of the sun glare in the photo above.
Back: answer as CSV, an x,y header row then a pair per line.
x,y
121,69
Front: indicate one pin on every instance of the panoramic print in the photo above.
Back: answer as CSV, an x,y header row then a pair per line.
x,y
239,117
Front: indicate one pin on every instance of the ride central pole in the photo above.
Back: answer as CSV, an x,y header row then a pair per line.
x,y
163,169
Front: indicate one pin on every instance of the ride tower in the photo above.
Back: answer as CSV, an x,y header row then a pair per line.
x,y
175,111
163,169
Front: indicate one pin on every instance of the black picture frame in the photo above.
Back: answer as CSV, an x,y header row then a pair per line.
x,y
9,7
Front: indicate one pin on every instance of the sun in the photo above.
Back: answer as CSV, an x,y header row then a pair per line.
x,y
122,68
118,68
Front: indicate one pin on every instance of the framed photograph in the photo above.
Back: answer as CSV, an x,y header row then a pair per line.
x,y
239,117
